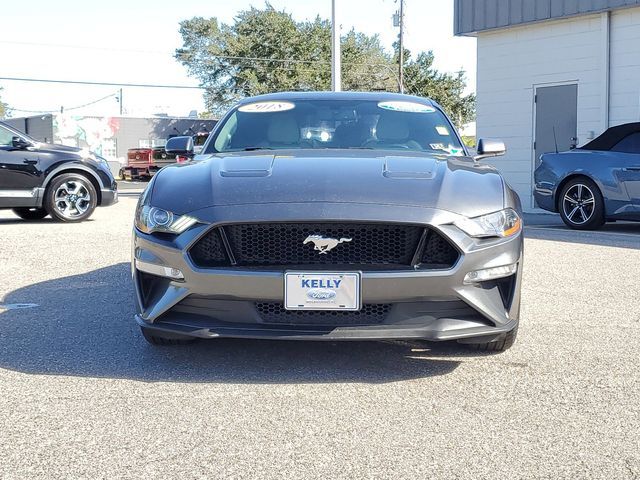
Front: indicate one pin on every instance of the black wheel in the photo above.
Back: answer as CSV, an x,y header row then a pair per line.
x,y
155,338
504,342
71,197
31,213
581,205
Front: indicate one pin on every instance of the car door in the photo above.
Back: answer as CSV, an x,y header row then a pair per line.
x,y
628,151
19,172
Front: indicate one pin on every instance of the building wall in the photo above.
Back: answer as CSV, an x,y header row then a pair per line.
x,y
513,61
625,67
109,137
38,127
473,16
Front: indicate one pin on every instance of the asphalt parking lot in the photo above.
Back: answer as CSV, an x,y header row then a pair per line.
x,y
83,396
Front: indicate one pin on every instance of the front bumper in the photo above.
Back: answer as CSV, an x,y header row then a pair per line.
x,y
108,196
423,304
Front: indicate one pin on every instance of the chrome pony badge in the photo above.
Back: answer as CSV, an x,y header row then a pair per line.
x,y
323,244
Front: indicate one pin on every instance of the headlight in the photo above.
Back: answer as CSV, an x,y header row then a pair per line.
x,y
152,219
504,223
89,155
102,160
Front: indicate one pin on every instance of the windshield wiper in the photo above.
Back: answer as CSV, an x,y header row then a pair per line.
x,y
251,149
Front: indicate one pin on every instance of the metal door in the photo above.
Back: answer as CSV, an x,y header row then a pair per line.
x,y
556,115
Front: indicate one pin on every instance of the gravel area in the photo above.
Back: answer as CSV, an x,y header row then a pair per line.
x,y
83,396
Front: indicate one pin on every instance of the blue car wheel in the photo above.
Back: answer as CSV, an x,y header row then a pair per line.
x,y
580,204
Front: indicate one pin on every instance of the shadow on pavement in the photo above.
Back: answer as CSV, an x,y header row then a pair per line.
x,y
619,234
84,327
45,221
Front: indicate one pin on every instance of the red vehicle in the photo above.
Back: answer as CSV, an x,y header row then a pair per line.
x,y
145,162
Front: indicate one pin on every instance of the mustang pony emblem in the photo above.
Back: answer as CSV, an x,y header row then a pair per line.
x,y
324,244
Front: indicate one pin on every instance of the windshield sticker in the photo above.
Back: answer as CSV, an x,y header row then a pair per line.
x,y
442,130
450,149
402,106
264,107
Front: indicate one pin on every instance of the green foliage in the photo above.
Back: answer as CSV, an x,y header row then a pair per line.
x,y
266,51
4,108
469,141
422,79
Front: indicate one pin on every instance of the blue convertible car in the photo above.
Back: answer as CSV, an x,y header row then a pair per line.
x,y
593,184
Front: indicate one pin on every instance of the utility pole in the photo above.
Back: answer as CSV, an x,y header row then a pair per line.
x,y
336,71
120,101
401,52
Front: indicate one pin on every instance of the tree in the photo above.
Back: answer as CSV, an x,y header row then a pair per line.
x,y
445,88
266,51
4,108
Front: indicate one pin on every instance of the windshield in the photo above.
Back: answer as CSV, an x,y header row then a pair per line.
x,y
323,124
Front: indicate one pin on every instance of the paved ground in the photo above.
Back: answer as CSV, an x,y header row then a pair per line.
x,y
82,394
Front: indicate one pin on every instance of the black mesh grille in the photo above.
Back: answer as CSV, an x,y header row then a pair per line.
x,y
370,314
438,252
361,244
209,251
282,245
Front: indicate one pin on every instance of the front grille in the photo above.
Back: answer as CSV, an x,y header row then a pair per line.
x,y
438,252
370,314
209,251
362,245
283,244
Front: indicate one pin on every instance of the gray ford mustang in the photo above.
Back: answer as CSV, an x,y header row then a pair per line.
x,y
330,216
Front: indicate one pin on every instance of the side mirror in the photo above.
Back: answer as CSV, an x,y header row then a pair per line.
x,y
489,148
19,143
182,146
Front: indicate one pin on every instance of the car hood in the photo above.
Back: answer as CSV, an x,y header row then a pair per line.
x,y
55,147
456,184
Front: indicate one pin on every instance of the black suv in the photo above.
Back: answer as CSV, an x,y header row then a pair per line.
x,y
39,179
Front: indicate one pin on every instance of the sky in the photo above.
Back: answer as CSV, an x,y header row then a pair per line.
x,y
126,41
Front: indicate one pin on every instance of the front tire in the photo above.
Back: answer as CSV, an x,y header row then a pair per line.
x,y
502,343
31,213
581,205
71,197
155,338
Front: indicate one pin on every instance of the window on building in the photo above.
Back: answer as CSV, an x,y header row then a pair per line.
x,y
109,148
152,142
629,144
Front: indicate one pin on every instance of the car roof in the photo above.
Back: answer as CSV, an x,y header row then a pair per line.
x,y
610,137
372,96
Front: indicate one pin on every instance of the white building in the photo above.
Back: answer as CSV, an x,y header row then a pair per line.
x,y
551,72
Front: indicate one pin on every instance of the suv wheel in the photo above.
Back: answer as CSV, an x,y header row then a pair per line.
x,y
580,205
71,197
31,213
155,338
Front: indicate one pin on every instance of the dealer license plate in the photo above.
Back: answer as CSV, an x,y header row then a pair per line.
x,y
322,291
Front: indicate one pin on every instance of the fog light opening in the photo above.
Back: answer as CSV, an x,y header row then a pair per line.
x,y
160,270
490,274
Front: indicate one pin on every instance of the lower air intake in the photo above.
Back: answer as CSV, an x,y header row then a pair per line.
x,y
370,314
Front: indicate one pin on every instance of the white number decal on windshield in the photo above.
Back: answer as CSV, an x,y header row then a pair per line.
x,y
403,106
263,107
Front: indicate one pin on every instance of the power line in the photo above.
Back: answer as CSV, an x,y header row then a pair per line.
x,y
112,84
177,55
67,109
